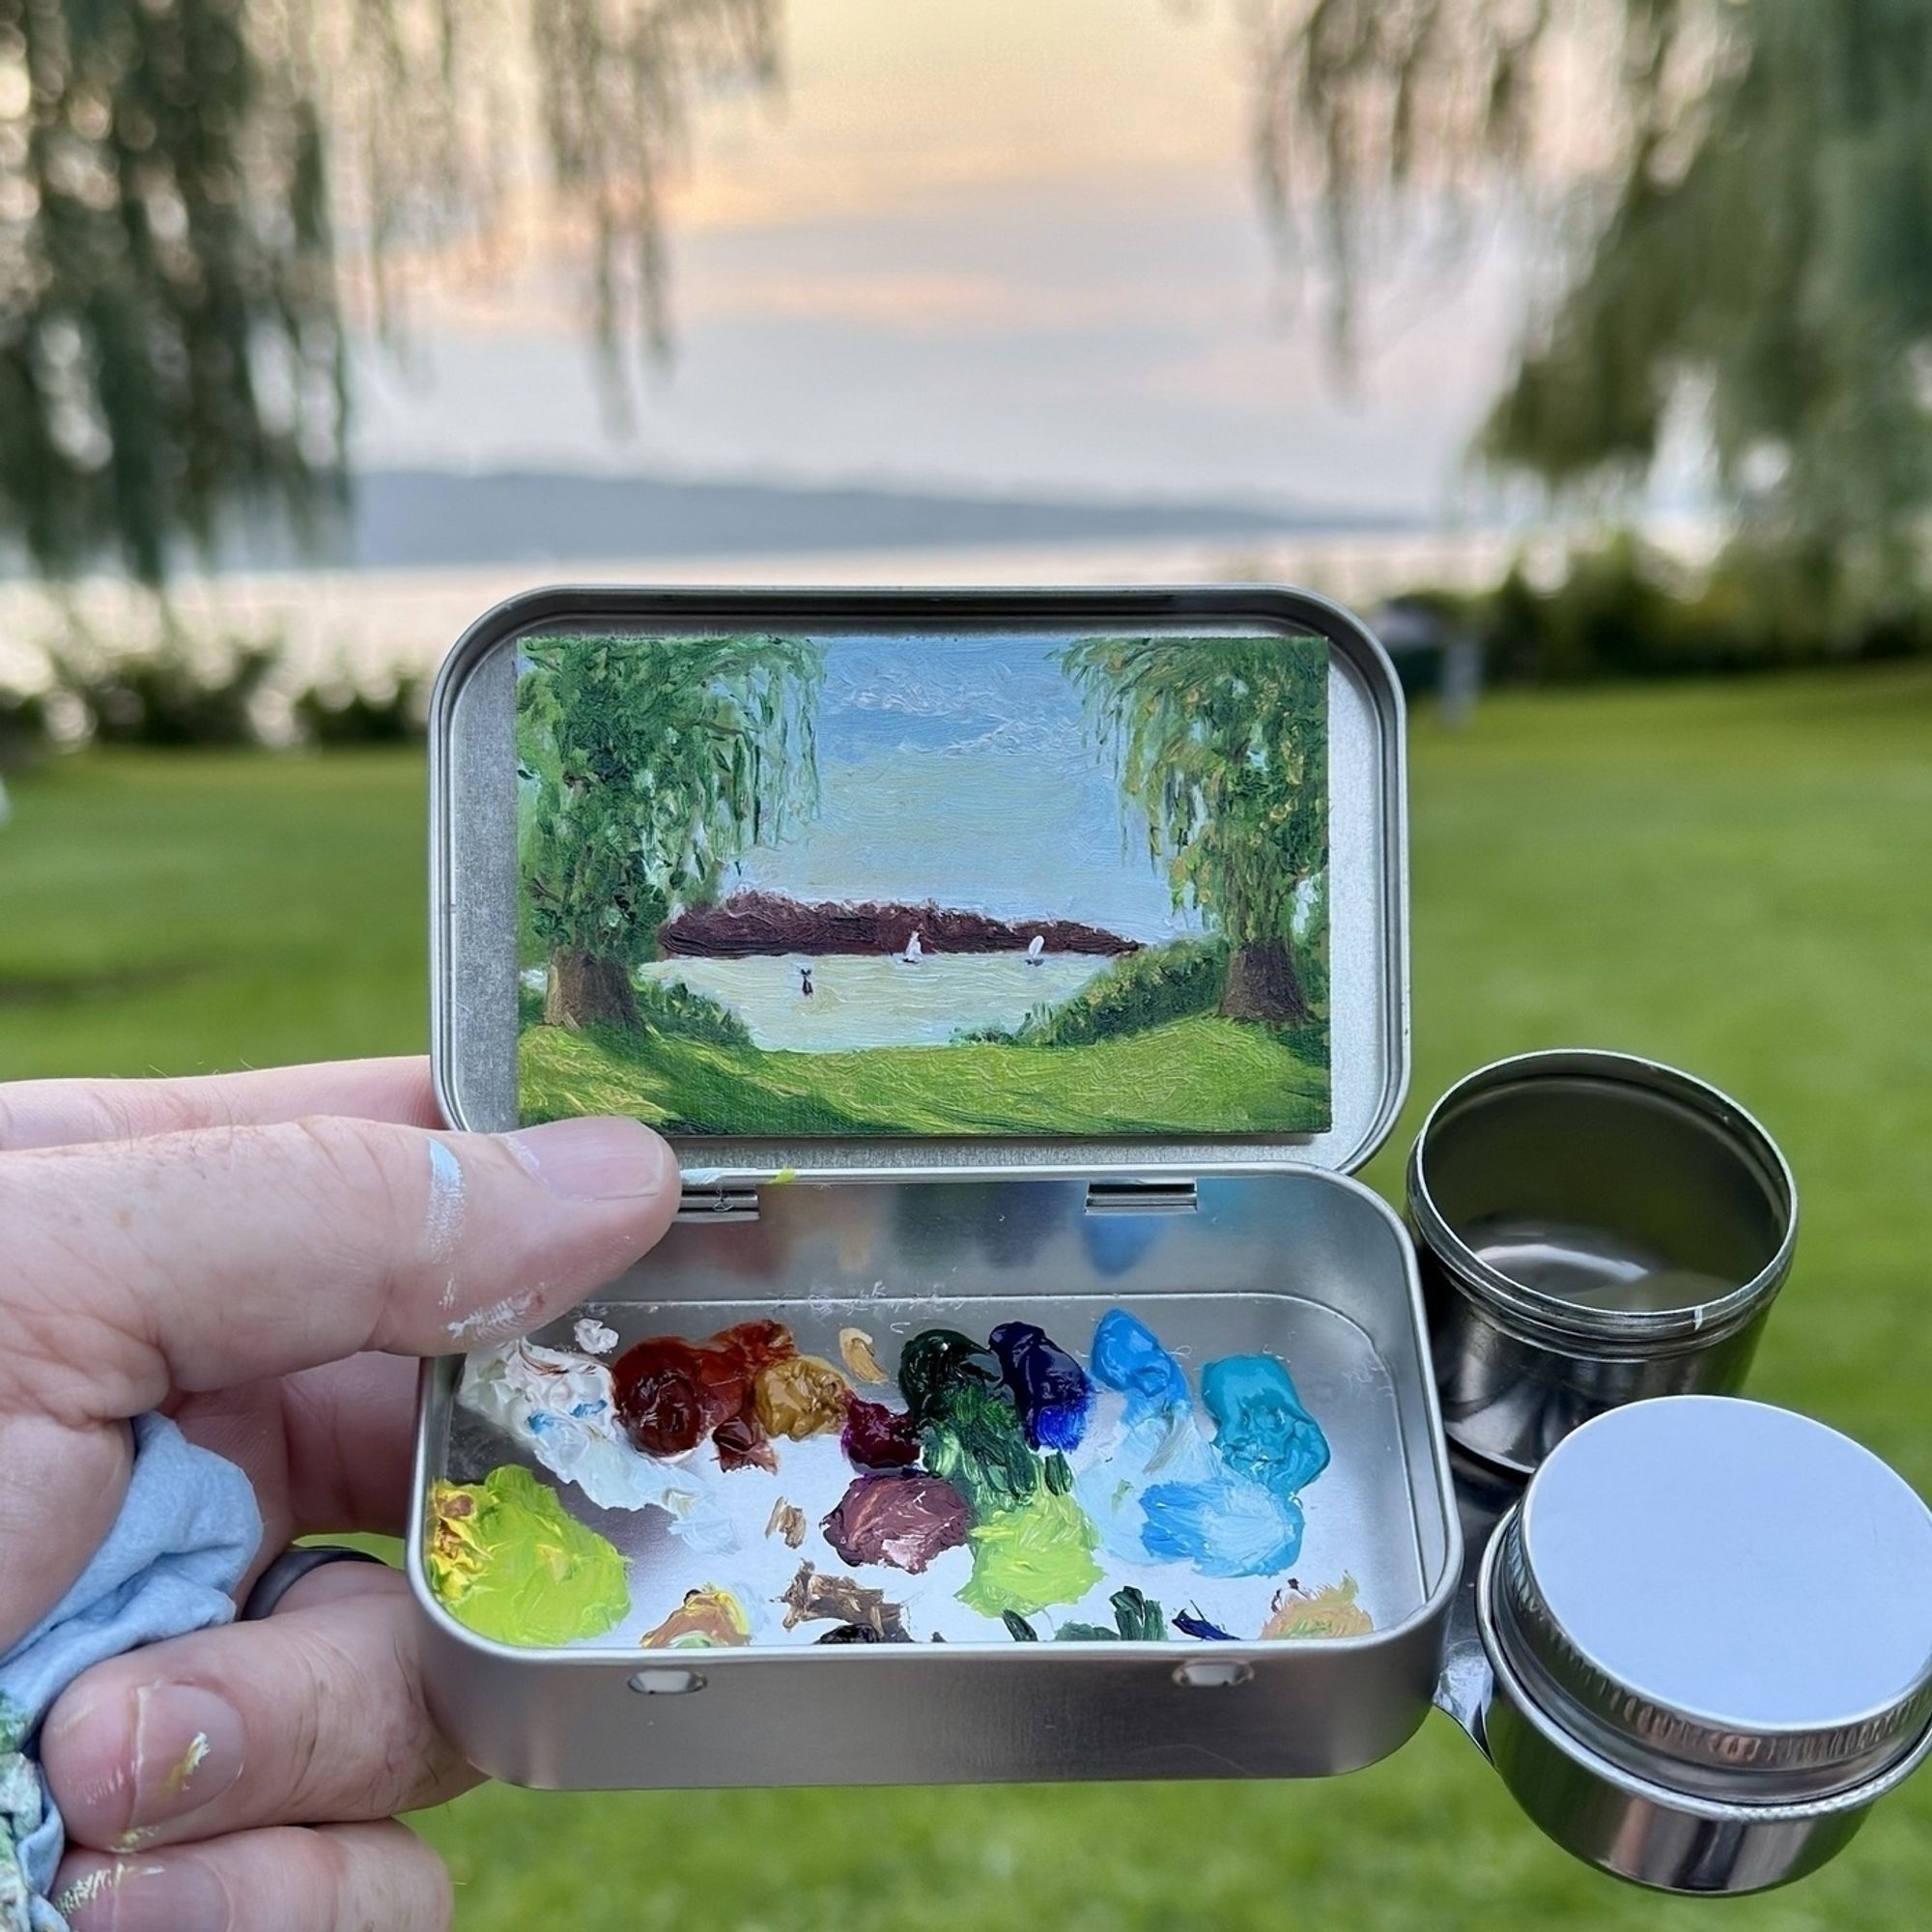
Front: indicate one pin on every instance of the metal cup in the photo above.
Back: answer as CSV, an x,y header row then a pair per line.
x,y
1707,1628
1594,1230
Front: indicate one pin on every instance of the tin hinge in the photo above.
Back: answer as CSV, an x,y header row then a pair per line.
x,y
719,1203
1141,1197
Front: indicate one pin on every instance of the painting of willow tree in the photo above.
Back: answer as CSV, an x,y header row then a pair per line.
x,y
950,885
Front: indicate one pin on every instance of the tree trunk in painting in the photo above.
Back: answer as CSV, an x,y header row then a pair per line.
x,y
1264,986
583,989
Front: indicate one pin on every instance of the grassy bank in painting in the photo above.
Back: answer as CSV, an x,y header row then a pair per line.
x,y
1728,876
1201,1075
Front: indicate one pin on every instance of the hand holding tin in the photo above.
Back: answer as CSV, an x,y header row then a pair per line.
x,y
259,1257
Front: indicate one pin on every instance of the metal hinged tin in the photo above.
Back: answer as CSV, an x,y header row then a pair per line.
x,y
1249,1243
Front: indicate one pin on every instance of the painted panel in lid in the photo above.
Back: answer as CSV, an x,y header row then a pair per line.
x,y
853,883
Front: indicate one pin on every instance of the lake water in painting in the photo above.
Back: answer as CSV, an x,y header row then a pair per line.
x,y
861,1002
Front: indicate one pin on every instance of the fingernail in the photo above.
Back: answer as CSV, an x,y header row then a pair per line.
x,y
595,1160
188,1750
179,1895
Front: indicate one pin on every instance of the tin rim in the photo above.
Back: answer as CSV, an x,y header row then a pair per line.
x,y
1536,1313
1647,1784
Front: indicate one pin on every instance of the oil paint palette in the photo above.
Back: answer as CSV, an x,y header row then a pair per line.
x,y
871,1473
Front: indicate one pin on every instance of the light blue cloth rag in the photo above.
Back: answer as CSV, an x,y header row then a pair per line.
x,y
184,1539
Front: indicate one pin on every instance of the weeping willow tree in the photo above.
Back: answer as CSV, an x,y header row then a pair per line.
x,y
200,198
1222,749
1739,196
644,774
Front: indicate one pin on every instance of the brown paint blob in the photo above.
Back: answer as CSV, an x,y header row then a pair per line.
x,y
671,1394
812,1597
903,1518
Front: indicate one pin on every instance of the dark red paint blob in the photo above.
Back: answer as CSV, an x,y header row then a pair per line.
x,y
671,1394
879,1437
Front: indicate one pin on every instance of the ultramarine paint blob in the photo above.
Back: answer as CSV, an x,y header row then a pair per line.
x,y
1261,1431
1226,1528
1191,1623
1128,1356
1049,1388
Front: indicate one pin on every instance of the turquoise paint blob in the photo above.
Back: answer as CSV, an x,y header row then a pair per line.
x,y
1261,1431
1128,1358
1228,1526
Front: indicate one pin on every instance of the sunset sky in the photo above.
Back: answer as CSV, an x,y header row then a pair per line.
x,y
1015,244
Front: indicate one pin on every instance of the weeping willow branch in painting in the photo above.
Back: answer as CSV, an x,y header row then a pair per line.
x,y
1222,748
644,774
1740,193
196,193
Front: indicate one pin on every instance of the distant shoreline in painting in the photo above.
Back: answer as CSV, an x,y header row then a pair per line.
x,y
796,886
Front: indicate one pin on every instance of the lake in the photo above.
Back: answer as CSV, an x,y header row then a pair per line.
x,y
860,1002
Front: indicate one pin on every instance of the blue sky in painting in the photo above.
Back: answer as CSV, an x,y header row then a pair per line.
x,y
957,769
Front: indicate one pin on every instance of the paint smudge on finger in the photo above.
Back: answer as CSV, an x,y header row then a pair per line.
x,y
901,1519
855,1348
180,1774
786,1520
491,1325
1331,1612
442,1212
813,1597
507,1561
709,1618
593,1336
91,1887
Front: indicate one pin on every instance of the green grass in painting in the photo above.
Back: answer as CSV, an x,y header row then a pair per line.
x,y
1201,1075
1730,876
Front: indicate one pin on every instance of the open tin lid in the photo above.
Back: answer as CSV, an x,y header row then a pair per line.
x,y
849,884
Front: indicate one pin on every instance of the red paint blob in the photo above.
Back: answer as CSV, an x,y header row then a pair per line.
x,y
671,1394
879,1437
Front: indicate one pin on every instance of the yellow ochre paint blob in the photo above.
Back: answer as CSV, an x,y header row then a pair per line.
x,y
801,1397
710,1618
856,1346
505,1560
1025,1559
1331,1612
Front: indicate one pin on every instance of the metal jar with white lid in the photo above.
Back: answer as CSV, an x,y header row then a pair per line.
x,y
1664,1703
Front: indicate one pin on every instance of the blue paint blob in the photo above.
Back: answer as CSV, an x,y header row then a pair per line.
x,y
1261,1431
1128,1356
1191,1623
1049,1388
1226,1528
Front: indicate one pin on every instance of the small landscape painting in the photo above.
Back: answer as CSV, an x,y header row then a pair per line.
x,y
935,885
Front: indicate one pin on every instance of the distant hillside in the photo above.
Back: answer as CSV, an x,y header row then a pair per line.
x,y
404,519
768,923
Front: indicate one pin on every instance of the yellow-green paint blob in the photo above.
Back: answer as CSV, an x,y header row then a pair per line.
x,y
1025,1559
507,1560
1331,1612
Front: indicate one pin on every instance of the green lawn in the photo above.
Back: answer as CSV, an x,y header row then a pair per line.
x,y
1197,1075
1737,878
